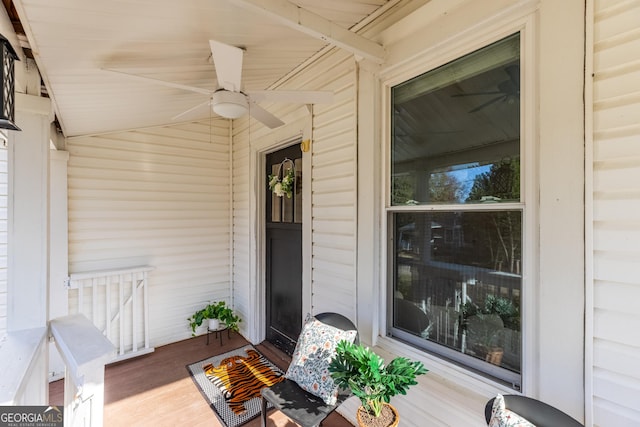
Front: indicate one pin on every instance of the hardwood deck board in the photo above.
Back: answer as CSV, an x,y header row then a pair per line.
x,y
157,390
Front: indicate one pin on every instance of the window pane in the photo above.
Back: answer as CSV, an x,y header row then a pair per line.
x,y
457,282
456,131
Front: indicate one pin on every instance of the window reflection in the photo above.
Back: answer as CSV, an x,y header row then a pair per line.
x,y
457,281
457,247
455,124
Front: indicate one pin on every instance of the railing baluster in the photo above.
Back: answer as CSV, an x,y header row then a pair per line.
x,y
134,311
121,308
145,305
81,297
107,314
94,300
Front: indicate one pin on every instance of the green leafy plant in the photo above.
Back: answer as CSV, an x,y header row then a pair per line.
x,y
359,369
284,186
508,311
218,310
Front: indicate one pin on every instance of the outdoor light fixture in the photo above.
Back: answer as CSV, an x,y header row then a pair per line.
x,y
230,105
7,85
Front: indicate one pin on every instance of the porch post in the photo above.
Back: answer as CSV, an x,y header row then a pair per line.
x,y
369,222
28,241
59,253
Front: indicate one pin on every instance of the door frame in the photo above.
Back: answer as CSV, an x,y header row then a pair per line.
x,y
292,133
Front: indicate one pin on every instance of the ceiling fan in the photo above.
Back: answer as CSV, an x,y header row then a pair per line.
x,y
228,100
507,89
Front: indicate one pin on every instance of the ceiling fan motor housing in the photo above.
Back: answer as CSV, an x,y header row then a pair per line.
x,y
230,105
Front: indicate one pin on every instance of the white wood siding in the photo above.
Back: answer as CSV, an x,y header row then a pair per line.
x,y
159,197
4,188
334,190
616,202
242,226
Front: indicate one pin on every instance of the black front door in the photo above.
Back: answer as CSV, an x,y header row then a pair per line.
x,y
284,251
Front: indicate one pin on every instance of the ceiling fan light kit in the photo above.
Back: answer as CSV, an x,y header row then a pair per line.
x,y
230,105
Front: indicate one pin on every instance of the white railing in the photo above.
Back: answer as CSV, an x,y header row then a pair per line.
x,y
84,351
116,301
23,367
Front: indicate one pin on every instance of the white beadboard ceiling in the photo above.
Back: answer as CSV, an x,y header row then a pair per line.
x,y
74,40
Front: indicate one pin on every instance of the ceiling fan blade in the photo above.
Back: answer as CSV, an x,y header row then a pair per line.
x,y
194,108
486,104
497,92
263,116
228,62
292,96
159,82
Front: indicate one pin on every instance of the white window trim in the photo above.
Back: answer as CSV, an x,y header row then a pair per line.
x,y
430,59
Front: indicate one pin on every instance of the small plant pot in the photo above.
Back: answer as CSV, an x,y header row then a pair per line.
x,y
389,418
494,355
214,324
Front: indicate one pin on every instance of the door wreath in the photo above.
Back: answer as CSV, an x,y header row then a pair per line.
x,y
282,182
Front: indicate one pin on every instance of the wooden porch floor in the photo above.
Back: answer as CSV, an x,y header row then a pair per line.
x,y
157,390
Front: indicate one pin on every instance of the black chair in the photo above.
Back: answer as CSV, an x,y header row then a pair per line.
x,y
410,318
535,411
302,407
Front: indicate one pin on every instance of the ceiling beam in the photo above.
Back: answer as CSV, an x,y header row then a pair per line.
x,y
315,26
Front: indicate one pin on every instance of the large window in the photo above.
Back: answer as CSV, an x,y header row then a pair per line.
x,y
455,211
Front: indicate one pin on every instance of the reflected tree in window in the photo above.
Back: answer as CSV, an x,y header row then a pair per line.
x,y
503,238
444,187
402,189
501,183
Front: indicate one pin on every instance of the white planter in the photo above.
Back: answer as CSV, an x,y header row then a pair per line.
x,y
214,324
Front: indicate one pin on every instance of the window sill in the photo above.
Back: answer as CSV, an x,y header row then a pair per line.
x,y
446,396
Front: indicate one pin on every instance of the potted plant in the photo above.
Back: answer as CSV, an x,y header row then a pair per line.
x,y
215,313
362,371
484,337
485,327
